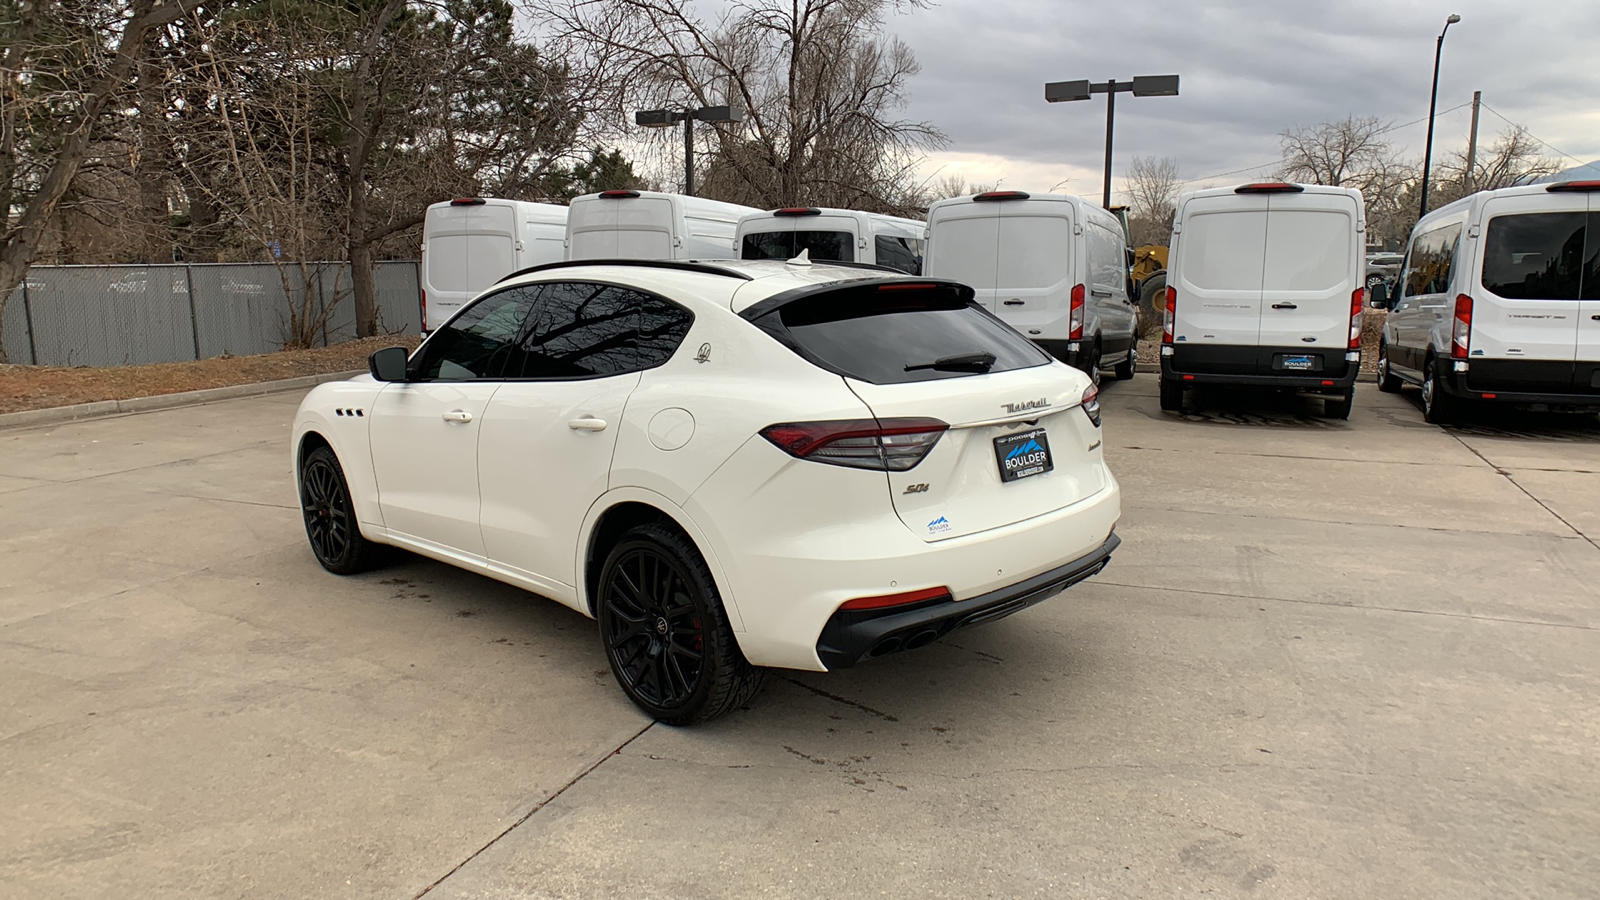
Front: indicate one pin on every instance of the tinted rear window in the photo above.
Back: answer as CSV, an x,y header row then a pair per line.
x,y
873,335
836,245
1543,256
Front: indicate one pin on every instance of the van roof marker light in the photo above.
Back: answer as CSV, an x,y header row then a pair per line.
x,y
797,211
996,196
467,201
1574,187
619,195
1269,187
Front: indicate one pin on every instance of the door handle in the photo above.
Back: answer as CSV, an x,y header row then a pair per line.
x,y
1284,306
587,424
1596,318
1430,306
1100,293
457,415
1014,302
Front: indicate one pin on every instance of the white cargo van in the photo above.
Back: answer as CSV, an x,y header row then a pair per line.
x,y
1264,287
472,242
652,225
845,235
1053,266
1499,301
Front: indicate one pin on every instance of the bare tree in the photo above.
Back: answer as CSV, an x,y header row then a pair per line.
x,y
1512,160
63,67
1353,153
819,82
1154,186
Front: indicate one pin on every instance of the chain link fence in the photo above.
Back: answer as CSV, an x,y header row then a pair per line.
x,y
131,315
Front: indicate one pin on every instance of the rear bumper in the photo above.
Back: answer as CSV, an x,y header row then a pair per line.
x,y
1259,366
1526,382
851,636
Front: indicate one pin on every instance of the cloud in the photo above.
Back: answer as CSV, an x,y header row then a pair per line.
x,y
1250,69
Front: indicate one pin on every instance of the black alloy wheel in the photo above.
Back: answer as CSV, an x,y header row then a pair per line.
x,y
665,633
1438,406
331,525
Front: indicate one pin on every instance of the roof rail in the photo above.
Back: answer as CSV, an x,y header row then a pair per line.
x,y
676,265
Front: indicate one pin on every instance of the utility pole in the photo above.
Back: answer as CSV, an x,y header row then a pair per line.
x,y
1472,141
1433,104
665,118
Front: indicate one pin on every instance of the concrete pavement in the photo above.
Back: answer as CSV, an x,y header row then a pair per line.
x,y
1330,660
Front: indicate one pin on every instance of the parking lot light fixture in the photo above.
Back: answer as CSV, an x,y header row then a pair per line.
x,y
666,118
1433,105
1140,86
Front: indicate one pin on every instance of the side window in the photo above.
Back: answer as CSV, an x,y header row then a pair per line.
x,y
900,253
1431,260
480,341
584,330
1104,260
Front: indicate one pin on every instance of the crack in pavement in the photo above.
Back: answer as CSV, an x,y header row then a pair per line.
x,y
1280,517
1329,603
536,807
1506,473
838,699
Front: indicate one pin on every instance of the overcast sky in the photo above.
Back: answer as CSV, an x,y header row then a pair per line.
x,y
1249,69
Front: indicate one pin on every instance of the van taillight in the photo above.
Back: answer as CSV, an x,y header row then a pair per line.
x,y
619,195
892,445
997,196
1170,317
424,293
1358,302
1269,187
797,211
1075,315
1461,332
467,201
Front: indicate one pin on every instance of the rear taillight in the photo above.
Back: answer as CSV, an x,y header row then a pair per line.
x,y
424,294
1091,404
1269,187
619,194
887,445
999,196
797,211
1075,317
467,201
1170,317
1461,331
1358,302
905,598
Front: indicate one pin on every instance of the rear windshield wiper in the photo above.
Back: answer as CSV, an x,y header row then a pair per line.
x,y
981,361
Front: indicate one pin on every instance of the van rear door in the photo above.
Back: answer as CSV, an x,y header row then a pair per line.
x,y
963,245
783,236
466,247
1527,304
1034,272
622,226
1221,257
1310,271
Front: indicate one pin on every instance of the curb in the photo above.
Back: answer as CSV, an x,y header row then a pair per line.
x,y
101,408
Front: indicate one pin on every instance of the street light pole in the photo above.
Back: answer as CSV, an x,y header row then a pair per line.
x,y
666,118
1433,104
1140,86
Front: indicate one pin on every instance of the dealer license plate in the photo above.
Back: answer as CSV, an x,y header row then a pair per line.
x,y
1023,454
1297,362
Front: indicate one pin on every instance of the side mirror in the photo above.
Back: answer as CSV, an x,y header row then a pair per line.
x,y
1378,297
388,364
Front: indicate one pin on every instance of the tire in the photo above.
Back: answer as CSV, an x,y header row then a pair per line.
x,y
1388,382
1171,395
665,633
1438,406
1125,369
331,525
1339,407
1375,281
1152,295
1091,363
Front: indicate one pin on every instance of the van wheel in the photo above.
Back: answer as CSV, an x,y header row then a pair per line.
x,y
1171,395
1388,382
1339,407
1125,369
665,632
1438,407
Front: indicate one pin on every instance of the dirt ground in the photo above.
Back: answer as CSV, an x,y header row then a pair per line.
x,y
41,387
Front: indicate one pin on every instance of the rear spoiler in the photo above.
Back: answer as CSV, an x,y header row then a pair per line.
x,y
902,283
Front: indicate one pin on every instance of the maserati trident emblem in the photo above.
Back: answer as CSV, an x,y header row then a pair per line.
x,y
1026,405
704,354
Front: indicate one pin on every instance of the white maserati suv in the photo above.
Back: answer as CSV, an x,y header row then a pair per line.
x,y
729,465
